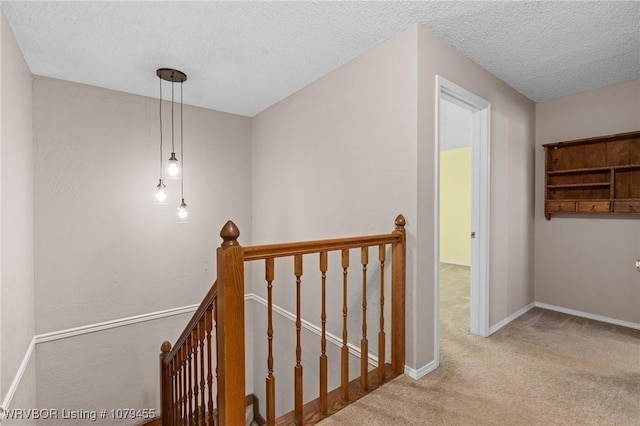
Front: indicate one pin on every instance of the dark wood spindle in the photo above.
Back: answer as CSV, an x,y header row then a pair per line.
x,y
364,343
177,407
174,393
176,384
183,367
298,367
178,403
201,337
323,338
208,319
189,371
271,380
344,388
382,255
215,325
195,343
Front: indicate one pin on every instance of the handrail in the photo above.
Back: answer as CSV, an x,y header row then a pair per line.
x,y
290,249
191,325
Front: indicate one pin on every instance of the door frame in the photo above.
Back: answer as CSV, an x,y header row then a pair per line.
x,y
480,205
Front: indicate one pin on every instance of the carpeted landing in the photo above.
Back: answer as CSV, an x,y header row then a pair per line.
x,y
545,368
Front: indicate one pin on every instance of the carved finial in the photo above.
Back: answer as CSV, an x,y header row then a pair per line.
x,y
229,234
166,347
400,222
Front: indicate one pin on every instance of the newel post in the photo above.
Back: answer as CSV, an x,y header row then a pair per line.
x,y
398,295
230,339
165,385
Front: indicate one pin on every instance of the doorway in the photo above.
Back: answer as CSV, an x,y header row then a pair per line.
x,y
476,114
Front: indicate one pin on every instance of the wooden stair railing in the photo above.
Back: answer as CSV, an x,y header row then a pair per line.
x,y
187,387
189,393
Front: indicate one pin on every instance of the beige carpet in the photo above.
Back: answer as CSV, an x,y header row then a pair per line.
x,y
544,368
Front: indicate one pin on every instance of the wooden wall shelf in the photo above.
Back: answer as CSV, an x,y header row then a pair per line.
x,y
593,176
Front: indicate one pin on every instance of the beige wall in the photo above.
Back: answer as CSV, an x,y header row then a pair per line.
x,y
582,263
104,251
336,159
16,212
115,368
345,154
512,184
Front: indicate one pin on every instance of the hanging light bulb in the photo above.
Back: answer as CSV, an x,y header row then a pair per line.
x,y
161,194
183,214
173,167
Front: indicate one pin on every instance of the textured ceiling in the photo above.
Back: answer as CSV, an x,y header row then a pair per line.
x,y
242,57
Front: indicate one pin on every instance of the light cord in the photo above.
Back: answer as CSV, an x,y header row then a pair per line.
x,y
173,149
181,144
160,80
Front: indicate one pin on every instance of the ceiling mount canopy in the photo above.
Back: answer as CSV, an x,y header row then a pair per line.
x,y
169,74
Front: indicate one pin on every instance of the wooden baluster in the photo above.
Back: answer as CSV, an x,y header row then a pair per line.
x,y
183,392
189,371
216,419
398,303
271,380
364,343
323,339
180,410
382,256
165,385
208,329
173,391
298,367
230,333
194,347
176,403
344,388
172,380
176,386
203,406
215,322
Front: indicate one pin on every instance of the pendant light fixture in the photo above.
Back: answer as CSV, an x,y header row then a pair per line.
x,y
173,168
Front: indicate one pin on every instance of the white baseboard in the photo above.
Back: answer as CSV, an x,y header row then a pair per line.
x,y
420,372
587,315
455,262
510,318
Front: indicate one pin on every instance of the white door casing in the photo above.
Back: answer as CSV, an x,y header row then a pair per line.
x,y
480,206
